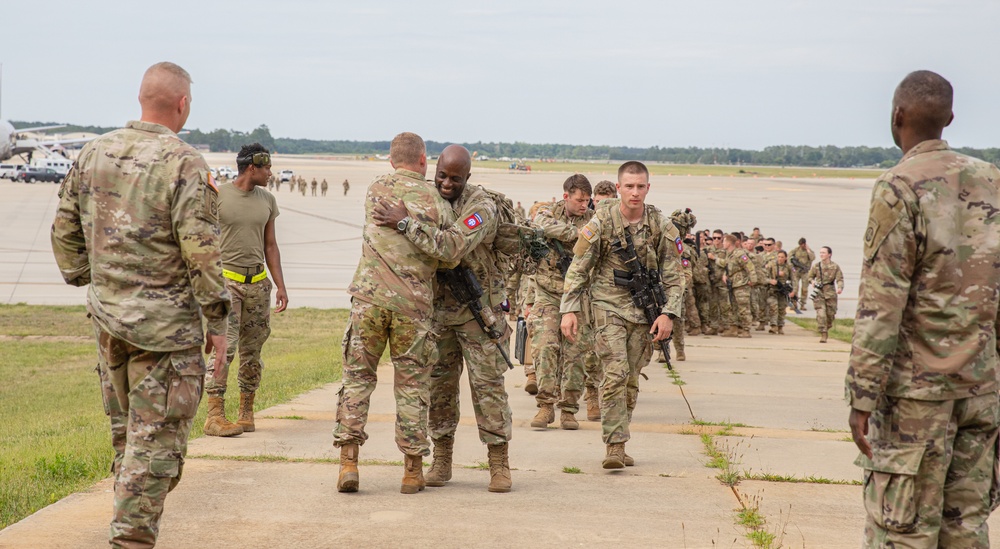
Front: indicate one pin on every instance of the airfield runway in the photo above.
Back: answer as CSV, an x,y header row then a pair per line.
x,y
320,237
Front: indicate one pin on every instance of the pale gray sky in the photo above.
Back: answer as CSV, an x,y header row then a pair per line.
x,y
731,73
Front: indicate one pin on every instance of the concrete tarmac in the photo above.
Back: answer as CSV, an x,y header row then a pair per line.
x,y
276,487
320,237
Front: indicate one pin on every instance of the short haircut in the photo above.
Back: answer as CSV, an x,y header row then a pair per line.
x,y
716,231
248,151
605,188
406,149
730,238
828,249
577,182
783,252
172,68
633,167
802,241
927,98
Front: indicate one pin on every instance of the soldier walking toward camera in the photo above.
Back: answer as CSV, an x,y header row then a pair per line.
x,y
324,186
313,186
347,187
392,303
739,276
922,382
561,364
247,218
779,280
472,240
137,220
622,332
828,282
801,258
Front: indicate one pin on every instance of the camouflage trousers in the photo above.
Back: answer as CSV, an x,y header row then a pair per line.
x,y
413,350
486,381
756,310
691,317
625,349
800,286
826,310
777,303
249,328
151,399
741,316
680,325
702,300
932,480
721,309
560,365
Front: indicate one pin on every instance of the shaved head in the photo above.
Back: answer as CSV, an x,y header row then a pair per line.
x,y
921,106
458,155
165,95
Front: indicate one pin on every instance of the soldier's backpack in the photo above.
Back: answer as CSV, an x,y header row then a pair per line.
x,y
518,245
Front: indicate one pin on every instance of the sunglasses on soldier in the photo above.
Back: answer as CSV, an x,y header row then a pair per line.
x,y
257,159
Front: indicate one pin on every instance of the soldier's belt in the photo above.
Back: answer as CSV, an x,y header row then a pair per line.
x,y
245,277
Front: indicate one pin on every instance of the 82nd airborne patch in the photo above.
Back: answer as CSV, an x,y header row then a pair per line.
x,y
473,221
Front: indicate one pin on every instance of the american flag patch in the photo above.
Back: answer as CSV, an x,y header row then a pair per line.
x,y
473,221
587,233
211,182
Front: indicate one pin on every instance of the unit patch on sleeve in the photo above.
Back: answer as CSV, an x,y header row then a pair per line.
x,y
473,221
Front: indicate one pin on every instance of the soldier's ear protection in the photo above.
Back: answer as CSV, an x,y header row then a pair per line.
x,y
259,159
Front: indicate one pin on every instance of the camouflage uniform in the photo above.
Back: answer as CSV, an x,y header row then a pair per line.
x,y
777,300
323,187
391,302
622,335
313,185
720,308
924,358
469,239
758,299
137,220
741,272
800,277
701,289
827,279
560,365
347,186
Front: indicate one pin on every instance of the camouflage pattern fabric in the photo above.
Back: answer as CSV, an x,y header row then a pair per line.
x,y
931,482
777,301
135,197
486,381
393,273
151,399
800,279
742,318
249,328
827,278
692,320
625,349
720,308
741,271
413,350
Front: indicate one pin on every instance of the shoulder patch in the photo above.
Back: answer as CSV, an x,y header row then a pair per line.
x,y
745,258
473,221
587,233
685,262
680,247
211,182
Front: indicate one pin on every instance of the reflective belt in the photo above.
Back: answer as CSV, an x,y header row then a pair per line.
x,y
244,279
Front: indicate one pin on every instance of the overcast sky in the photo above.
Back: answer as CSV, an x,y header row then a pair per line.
x,y
732,73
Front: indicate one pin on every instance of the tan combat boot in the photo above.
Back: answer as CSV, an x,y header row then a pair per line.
x,y
761,326
681,357
710,331
440,471
413,474
216,424
629,462
499,468
731,331
348,480
743,334
546,414
822,337
781,330
567,421
531,384
772,330
593,405
694,331
246,412
615,458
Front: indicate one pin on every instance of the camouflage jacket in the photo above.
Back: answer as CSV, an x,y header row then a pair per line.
x,y
688,265
716,267
827,277
779,273
805,257
740,268
561,229
138,221
393,273
699,266
927,310
760,266
594,262
469,240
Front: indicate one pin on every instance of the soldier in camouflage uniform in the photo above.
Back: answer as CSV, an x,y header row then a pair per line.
x,y
923,377
347,186
313,185
391,303
622,335
779,272
137,220
247,218
470,239
801,258
828,281
720,308
323,187
740,273
560,363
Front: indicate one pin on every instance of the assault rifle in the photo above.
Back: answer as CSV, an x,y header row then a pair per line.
x,y
520,339
643,285
797,264
565,258
467,291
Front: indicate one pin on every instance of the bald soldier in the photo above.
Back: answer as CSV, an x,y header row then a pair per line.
x,y
471,240
138,222
392,304
922,382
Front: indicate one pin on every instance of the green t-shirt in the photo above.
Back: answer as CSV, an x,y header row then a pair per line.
x,y
242,217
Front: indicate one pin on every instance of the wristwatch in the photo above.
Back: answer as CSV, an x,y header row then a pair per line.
x,y
403,223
